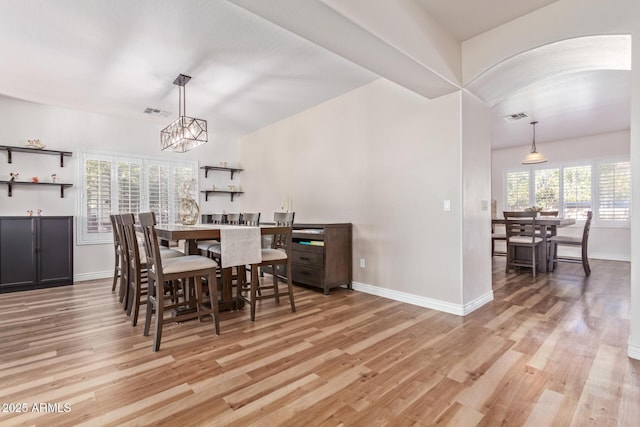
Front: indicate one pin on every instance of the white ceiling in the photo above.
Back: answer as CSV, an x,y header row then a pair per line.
x,y
119,57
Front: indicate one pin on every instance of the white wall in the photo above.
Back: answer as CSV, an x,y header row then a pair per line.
x,y
634,337
384,159
70,130
476,175
604,242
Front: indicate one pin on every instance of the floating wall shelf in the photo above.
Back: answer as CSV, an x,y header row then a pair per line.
x,y
10,150
10,185
233,193
219,168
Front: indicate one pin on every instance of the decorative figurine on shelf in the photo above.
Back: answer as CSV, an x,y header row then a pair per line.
x,y
14,176
54,178
30,212
35,143
35,179
39,212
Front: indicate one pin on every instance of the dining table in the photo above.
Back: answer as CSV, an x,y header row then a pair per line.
x,y
548,228
191,234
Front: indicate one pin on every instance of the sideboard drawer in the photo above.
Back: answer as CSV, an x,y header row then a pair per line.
x,y
308,258
308,275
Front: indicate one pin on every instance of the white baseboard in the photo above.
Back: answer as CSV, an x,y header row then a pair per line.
x,y
633,351
609,257
447,307
93,276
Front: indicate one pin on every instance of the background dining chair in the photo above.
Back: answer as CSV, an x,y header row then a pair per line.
x,y
582,242
204,245
185,271
252,219
522,232
495,237
233,218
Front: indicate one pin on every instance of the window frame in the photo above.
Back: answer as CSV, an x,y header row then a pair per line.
x,y
594,164
86,238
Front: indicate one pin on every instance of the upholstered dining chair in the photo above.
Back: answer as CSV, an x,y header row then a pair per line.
x,y
186,271
252,219
137,267
124,266
582,242
117,247
496,236
277,254
204,245
521,232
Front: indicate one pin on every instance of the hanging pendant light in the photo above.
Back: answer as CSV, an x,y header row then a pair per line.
x,y
186,132
533,157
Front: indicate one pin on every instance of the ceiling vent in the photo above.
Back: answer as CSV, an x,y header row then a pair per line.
x,y
156,112
516,116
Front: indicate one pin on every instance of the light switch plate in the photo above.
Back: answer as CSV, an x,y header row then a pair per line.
x,y
447,205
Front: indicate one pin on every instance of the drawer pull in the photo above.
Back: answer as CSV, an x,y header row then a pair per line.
x,y
305,258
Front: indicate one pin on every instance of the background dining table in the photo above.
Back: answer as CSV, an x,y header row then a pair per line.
x,y
548,227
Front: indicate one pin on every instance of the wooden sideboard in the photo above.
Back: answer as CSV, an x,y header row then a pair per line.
x,y
35,252
321,255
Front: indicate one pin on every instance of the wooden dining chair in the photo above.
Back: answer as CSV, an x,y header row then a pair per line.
x,y
204,245
233,218
274,256
522,232
137,276
186,271
582,242
252,219
117,247
123,293
497,236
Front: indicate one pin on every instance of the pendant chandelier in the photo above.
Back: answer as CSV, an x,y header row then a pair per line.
x,y
533,157
185,133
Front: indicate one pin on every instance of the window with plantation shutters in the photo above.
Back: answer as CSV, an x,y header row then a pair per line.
x,y
129,186
577,192
547,189
159,194
117,184
517,190
603,187
614,192
97,197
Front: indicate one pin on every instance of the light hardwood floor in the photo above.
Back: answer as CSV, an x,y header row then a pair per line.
x,y
549,352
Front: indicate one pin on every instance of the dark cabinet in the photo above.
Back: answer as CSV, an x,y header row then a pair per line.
x,y
35,252
321,255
